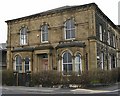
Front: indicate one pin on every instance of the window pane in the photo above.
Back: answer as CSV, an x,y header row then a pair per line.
x,y
26,64
100,32
20,68
67,34
43,37
46,28
69,58
44,31
113,61
65,58
17,68
73,33
17,60
72,24
44,56
78,65
64,67
108,37
67,63
23,36
46,37
27,68
77,59
18,63
68,24
69,67
70,29
26,60
100,64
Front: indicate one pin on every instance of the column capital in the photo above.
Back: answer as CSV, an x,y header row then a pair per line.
x,y
59,57
73,57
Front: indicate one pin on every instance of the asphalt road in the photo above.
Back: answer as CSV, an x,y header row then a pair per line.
x,y
39,90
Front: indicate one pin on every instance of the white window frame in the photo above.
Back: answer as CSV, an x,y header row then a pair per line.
x,y
17,65
43,31
25,65
23,36
78,63
68,63
71,29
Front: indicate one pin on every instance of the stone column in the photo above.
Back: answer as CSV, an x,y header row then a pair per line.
x,y
35,66
60,63
73,63
49,61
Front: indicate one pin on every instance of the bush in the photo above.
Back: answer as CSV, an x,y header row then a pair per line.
x,y
8,78
74,78
35,79
115,75
51,78
118,70
64,81
85,79
46,78
99,76
104,77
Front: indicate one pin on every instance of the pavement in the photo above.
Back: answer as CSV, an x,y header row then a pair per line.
x,y
115,88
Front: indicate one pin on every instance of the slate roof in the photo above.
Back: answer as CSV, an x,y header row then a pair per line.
x,y
2,46
30,49
71,44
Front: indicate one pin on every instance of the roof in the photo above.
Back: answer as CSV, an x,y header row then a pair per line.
x,y
71,44
61,9
2,46
118,26
30,49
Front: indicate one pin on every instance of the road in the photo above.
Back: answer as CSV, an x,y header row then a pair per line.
x,y
40,90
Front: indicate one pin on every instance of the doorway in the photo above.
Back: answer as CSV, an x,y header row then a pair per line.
x,y
43,61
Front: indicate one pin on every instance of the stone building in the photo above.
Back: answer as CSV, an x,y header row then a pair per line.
x,y
66,39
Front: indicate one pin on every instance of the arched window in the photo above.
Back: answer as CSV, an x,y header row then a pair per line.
x,y
44,33
78,63
23,36
27,64
67,63
18,63
69,29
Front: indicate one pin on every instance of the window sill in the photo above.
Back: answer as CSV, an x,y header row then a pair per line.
x,y
44,42
71,39
21,45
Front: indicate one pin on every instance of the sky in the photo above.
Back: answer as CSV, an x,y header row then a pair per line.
x,y
12,9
